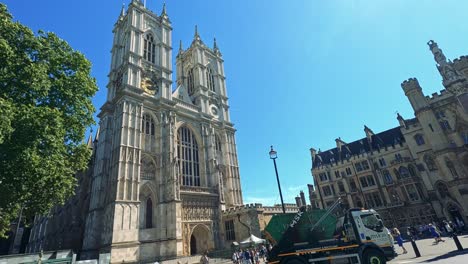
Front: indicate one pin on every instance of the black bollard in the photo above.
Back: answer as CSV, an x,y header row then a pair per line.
x,y
457,242
415,248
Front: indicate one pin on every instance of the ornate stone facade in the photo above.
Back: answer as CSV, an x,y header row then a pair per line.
x,y
414,173
165,161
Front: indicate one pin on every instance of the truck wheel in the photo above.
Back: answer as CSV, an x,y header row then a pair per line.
x,y
373,256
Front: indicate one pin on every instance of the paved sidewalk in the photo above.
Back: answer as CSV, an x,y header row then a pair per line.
x,y
434,253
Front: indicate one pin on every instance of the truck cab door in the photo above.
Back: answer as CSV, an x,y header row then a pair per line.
x,y
371,229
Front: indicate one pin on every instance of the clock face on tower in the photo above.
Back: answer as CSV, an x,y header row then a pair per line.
x,y
149,83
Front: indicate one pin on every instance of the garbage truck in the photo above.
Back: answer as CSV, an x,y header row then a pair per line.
x,y
324,236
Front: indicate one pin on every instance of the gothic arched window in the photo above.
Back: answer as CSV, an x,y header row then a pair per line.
x,y
147,125
387,177
187,153
442,189
210,79
451,167
218,144
190,82
430,162
149,214
419,139
149,49
147,170
404,172
412,170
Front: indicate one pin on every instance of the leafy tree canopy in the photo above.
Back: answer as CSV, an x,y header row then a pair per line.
x,y
45,108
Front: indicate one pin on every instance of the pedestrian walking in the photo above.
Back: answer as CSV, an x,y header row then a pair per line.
x,y
396,234
435,234
448,228
204,259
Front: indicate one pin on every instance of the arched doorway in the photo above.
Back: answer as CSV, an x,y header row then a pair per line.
x,y
200,240
193,245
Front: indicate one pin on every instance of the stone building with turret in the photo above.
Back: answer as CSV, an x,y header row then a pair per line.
x,y
414,173
165,162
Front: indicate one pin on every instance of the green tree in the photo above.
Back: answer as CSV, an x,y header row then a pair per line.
x,y
45,108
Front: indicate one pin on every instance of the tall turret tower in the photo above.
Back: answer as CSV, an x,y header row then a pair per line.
x,y
166,161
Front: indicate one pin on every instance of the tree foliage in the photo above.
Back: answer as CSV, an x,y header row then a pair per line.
x,y
45,108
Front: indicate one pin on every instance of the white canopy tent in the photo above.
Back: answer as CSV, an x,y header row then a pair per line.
x,y
252,240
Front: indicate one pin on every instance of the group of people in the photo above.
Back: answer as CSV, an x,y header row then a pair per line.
x,y
435,231
443,228
250,255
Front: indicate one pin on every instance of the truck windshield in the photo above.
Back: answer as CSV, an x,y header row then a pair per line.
x,y
371,221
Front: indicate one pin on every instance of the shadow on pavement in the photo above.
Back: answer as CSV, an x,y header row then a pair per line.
x,y
448,255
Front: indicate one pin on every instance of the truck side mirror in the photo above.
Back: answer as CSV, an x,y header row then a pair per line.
x,y
380,226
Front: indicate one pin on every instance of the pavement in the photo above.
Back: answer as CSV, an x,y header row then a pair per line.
x,y
443,252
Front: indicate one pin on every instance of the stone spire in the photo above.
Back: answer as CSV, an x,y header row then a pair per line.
x,y
437,52
122,11
196,37
180,47
449,74
215,48
164,13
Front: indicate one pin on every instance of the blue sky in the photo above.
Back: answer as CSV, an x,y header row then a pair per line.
x,y
299,73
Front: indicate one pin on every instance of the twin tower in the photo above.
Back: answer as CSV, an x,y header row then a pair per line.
x,y
165,162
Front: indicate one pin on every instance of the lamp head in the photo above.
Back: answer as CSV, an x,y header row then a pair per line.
x,y
273,153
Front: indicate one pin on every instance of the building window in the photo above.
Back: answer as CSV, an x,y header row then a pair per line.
x,y
382,162
387,177
445,125
326,191
147,170
187,152
419,139
420,167
412,171
430,163
149,49
341,188
367,181
348,171
147,125
398,157
412,193
365,165
337,174
358,167
373,199
230,232
190,82
451,167
442,189
218,145
352,185
404,172
323,176
210,79
149,214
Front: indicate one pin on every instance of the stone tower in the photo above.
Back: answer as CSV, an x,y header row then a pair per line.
x,y
166,161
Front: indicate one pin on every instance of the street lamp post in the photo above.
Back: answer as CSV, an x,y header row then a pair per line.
x,y
273,156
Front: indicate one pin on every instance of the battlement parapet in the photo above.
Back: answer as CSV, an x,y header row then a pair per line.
x,y
410,84
243,208
460,63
